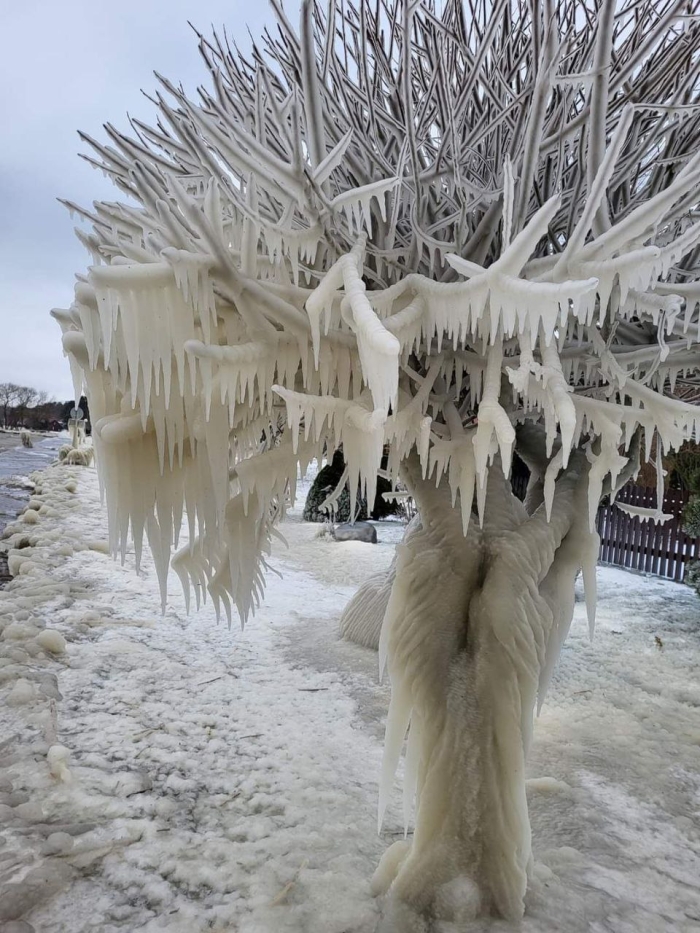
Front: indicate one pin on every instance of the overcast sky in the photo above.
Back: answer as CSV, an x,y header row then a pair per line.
x,y
67,65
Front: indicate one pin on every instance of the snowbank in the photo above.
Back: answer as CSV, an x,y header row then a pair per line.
x,y
165,773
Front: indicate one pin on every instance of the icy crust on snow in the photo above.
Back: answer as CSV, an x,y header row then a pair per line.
x,y
161,774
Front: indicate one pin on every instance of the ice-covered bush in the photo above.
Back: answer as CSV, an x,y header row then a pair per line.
x,y
79,456
458,232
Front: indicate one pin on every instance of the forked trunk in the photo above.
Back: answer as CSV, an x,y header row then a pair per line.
x,y
471,631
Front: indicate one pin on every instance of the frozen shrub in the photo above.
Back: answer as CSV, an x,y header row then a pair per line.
x,y
692,575
691,516
456,232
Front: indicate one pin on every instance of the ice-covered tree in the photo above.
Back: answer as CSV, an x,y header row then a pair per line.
x,y
460,230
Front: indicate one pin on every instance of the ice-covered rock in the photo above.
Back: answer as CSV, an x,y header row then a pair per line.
x,y
17,926
52,641
22,693
19,631
58,757
30,811
360,531
57,844
37,885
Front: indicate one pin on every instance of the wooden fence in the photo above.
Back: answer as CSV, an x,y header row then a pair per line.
x,y
663,550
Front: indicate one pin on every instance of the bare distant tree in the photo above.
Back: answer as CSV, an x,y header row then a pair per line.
x,y
26,397
8,397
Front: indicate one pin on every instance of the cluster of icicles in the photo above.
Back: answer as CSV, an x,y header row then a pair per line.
x,y
186,393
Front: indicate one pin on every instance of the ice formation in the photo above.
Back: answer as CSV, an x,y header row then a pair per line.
x,y
363,237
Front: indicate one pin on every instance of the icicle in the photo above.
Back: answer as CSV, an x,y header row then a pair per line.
x,y
553,469
379,349
645,515
589,566
493,421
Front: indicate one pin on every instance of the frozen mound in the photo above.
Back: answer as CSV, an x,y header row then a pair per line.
x,y
80,456
361,621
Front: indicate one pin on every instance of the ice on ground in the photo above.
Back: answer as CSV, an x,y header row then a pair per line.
x,y
167,774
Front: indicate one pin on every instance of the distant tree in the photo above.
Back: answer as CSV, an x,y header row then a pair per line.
x,y
26,397
8,397
44,414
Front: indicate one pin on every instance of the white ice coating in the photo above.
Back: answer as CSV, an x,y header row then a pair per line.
x,y
277,289
645,515
186,395
514,579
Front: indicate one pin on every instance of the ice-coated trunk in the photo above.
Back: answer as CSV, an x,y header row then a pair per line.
x,y
467,639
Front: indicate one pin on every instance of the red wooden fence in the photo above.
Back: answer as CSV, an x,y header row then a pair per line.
x,y
663,550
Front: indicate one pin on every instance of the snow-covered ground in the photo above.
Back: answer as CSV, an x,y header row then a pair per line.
x,y
227,781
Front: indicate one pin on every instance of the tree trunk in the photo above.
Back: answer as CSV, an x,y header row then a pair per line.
x,y
468,638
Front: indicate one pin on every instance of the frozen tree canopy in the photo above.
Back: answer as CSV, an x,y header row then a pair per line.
x,y
456,230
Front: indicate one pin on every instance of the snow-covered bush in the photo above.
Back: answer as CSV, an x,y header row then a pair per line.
x,y
79,456
76,456
456,234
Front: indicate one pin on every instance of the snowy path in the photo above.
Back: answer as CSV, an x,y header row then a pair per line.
x,y
226,781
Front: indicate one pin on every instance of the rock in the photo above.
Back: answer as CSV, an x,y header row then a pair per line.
x,y
360,531
31,812
17,654
22,693
19,631
73,829
17,926
132,782
52,641
57,844
6,814
58,757
14,799
39,884
48,685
